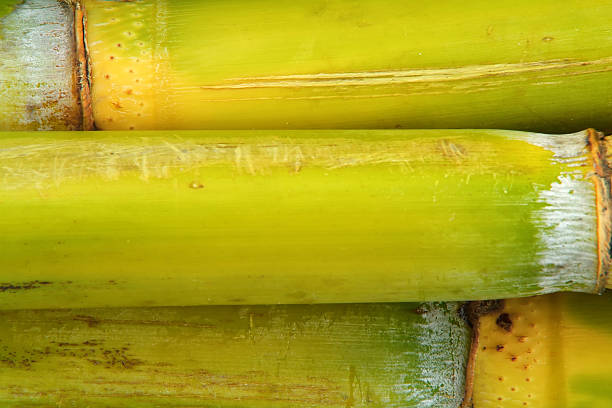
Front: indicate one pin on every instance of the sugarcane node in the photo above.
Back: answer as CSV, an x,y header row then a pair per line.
x,y
597,145
83,66
472,312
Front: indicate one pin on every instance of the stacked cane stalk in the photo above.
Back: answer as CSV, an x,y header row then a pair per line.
x,y
206,246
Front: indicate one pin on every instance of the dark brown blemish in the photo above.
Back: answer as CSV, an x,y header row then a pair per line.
x,y
472,311
12,287
504,321
513,358
67,344
547,39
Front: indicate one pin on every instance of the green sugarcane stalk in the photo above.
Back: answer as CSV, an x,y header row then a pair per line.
x,y
546,351
386,355
191,64
263,217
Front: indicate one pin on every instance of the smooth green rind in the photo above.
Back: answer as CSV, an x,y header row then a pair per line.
x,y
217,217
388,355
38,80
351,64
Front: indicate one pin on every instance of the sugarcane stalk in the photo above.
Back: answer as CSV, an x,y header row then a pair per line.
x,y
194,64
38,74
263,217
543,351
385,355
548,351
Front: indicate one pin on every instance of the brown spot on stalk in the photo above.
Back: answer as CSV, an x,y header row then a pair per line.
x,y
13,287
504,321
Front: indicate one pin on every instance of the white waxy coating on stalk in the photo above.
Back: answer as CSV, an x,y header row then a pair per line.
x,y
567,222
38,87
443,334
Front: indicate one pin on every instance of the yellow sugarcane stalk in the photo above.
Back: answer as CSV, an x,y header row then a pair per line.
x,y
191,64
548,351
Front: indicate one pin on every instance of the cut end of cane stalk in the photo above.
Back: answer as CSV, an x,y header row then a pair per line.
x,y
37,59
545,352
